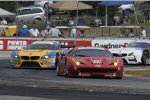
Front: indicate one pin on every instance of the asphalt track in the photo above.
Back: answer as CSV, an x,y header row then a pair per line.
x,y
22,79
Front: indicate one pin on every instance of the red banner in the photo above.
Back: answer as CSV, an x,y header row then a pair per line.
x,y
12,44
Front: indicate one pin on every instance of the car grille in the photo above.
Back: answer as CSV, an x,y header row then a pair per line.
x,y
124,54
25,57
119,55
96,70
30,65
34,57
125,62
30,58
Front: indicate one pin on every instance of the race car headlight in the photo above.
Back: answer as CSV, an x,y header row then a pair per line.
x,y
131,54
116,62
45,57
17,56
76,62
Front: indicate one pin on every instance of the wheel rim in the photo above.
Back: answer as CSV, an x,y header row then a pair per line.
x,y
145,59
57,69
65,72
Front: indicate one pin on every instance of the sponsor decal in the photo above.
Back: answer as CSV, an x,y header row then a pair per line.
x,y
97,62
76,43
63,43
16,45
110,45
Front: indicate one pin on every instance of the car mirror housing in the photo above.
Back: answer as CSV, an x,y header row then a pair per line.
x,y
24,48
63,54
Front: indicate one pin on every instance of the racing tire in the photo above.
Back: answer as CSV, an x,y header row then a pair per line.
x,y
12,66
67,72
69,75
56,61
144,58
118,77
58,70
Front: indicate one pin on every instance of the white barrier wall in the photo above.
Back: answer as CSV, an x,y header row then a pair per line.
x,y
114,43
12,43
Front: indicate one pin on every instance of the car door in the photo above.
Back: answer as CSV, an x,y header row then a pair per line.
x,y
24,14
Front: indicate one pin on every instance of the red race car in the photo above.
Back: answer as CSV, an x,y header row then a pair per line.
x,y
89,61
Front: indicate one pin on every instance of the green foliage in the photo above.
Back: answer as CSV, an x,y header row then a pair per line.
x,y
140,18
9,5
144,5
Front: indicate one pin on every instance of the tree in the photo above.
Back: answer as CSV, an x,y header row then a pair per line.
x,y
9,5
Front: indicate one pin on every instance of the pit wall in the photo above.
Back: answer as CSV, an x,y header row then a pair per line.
x,y
15,43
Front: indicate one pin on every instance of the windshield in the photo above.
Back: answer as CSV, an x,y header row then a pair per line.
x,y
92,53
139,44
43,46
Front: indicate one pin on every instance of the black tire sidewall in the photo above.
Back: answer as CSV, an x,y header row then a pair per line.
x,y
144,57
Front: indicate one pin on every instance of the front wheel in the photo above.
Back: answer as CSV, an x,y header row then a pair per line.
x,y
58,70
145,58
118,77
11,67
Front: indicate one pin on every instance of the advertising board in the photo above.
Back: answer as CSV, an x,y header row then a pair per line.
x,y
112,43
12,44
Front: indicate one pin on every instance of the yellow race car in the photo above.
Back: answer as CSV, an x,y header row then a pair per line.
x,y
39,54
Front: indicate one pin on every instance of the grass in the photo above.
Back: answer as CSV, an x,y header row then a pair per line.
x,y
145,73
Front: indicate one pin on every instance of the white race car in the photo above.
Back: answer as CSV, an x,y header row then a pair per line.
x,y
137,52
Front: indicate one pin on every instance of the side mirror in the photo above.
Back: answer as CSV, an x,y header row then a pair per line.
x,y
24,48
63,54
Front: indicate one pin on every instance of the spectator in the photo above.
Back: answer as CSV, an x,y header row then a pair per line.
x,y
81,33
81,22
24,31
34,31
44,32
73,32
59,21
62,33
70,22
54,32
143,32
123,33
131,33
117,19
3,22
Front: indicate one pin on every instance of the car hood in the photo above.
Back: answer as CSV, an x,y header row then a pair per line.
x,y
94,60
34,52
125,50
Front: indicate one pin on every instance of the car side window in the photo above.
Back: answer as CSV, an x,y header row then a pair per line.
x,y
36,10
29,11
25,11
